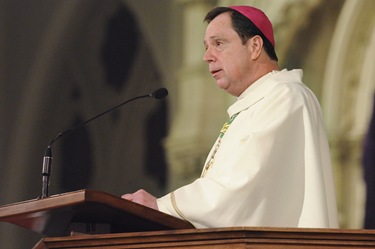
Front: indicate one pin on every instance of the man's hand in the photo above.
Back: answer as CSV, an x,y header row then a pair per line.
x,y
143,198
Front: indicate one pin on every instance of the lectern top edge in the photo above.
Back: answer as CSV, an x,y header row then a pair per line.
x,y
55,215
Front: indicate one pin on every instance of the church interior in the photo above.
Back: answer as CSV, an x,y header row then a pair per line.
x,y
64,61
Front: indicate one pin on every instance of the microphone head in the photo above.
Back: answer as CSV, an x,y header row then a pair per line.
x,y
159,94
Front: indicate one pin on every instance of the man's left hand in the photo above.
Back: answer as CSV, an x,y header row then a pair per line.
x,y
142,197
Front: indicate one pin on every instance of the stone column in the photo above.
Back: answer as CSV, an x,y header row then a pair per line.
x,y
200,107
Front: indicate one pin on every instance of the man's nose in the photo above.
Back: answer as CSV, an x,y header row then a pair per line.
x,y
208,56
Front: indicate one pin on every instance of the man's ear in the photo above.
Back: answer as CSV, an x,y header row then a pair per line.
x,y
255,46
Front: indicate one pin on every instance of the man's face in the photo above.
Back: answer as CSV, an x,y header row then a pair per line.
x,y
229,61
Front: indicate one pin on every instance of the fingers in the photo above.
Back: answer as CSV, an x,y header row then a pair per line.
x,y
128,197
142,197
138,194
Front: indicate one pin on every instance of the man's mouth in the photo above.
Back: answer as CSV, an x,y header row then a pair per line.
x,y
214,72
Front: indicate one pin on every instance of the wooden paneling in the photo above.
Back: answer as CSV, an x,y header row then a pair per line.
x,y
221,238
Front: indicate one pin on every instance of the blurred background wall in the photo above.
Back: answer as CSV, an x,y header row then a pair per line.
x,y
64,61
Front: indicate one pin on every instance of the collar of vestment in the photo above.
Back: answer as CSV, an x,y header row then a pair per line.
x,y
256,91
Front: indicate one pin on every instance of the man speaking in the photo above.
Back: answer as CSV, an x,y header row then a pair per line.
x,y
270,165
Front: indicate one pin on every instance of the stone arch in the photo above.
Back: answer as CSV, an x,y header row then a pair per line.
x,y
347,97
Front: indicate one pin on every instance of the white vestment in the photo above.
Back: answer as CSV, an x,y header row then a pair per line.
x,y
273,165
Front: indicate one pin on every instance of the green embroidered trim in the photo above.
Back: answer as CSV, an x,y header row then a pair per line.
x,y
217,145
226,126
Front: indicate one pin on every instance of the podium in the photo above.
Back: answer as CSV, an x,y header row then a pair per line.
x,y
92,219
87,211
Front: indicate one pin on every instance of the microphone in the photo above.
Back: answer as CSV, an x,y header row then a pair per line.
x,y
47,158
161,93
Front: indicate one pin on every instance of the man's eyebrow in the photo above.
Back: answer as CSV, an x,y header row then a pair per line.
x,y
213,37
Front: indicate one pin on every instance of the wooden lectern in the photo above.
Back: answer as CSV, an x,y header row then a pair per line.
x,y
91,219
87,211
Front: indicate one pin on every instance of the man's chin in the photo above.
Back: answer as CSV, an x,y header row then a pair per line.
x,y
226,88
221,85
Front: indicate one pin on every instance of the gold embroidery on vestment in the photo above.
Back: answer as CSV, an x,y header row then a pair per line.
x,y
217,145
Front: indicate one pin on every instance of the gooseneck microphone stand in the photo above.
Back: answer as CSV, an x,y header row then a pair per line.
x,y
47,159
